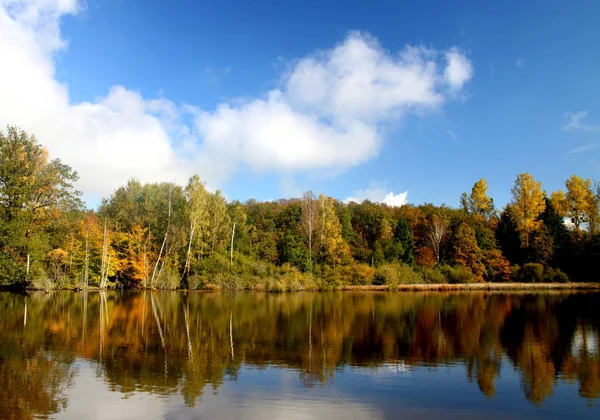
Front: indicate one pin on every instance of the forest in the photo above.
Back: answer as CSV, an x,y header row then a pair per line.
x,y
169,236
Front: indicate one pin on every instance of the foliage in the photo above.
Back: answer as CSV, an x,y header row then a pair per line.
x,y
458,274
528,203
478,202
432,276
395,274
532,273
164,235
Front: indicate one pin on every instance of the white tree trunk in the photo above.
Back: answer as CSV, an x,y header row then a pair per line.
x,y
231,250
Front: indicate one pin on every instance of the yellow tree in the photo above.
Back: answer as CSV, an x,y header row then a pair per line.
x,y
333,246
131,257
467,252
527,204
559,201
594,209
579,198
478,202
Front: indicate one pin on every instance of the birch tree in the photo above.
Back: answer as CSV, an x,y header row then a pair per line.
x,y
436,234
310,209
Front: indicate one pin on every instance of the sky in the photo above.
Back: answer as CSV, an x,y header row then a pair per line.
x,y
390,101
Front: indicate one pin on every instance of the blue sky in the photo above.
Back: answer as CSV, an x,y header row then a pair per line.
x,y
122,75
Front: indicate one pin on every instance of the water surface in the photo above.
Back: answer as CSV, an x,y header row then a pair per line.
x,y
303,355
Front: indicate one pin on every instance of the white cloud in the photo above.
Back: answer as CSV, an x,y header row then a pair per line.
x,y
378,194
328,112
108,141
576,121
459,69
331,107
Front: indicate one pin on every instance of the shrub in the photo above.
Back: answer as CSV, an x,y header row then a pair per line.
x,y
168,279
432,276
532,273
361,274
197,281
554,275
39,278
458,274
290,280
515,273
212,264
497,266
395,274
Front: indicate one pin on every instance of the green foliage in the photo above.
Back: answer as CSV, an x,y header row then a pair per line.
x,y
458,274
395,274
404,243
164,235
168,278
554,275
532,273
432,276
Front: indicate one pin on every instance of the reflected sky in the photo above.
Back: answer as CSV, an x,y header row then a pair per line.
x,y
299,356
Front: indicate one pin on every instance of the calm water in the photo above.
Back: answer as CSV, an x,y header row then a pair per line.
x,y
298,356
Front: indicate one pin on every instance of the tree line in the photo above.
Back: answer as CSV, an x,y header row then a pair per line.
x,y
164,235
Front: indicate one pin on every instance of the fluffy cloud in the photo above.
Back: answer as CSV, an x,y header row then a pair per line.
x,y
328,112
331,107
378,194
459,69
108,141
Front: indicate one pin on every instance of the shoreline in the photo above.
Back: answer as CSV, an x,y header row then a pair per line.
x,y
364,288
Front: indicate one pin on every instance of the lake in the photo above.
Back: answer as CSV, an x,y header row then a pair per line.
x,y
351,355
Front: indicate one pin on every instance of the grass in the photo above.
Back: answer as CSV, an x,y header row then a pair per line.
x,y
478,286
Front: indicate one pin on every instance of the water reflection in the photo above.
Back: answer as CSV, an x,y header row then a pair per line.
x,y
178,345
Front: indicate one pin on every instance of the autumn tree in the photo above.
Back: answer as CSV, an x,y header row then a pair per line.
x,y
527,205
334,249
478,202
467,252
578,202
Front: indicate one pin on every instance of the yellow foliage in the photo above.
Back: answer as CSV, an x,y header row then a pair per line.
x,y
528,203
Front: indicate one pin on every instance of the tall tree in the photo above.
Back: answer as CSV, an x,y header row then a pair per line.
x,y
33,189
578,201
478,202
197,211
310,210
467,252
527,205
437,233
334,249
404,240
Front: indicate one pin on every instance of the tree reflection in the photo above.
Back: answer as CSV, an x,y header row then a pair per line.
x,y
171,342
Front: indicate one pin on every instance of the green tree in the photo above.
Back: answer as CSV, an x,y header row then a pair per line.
x,y
34,190
404,243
